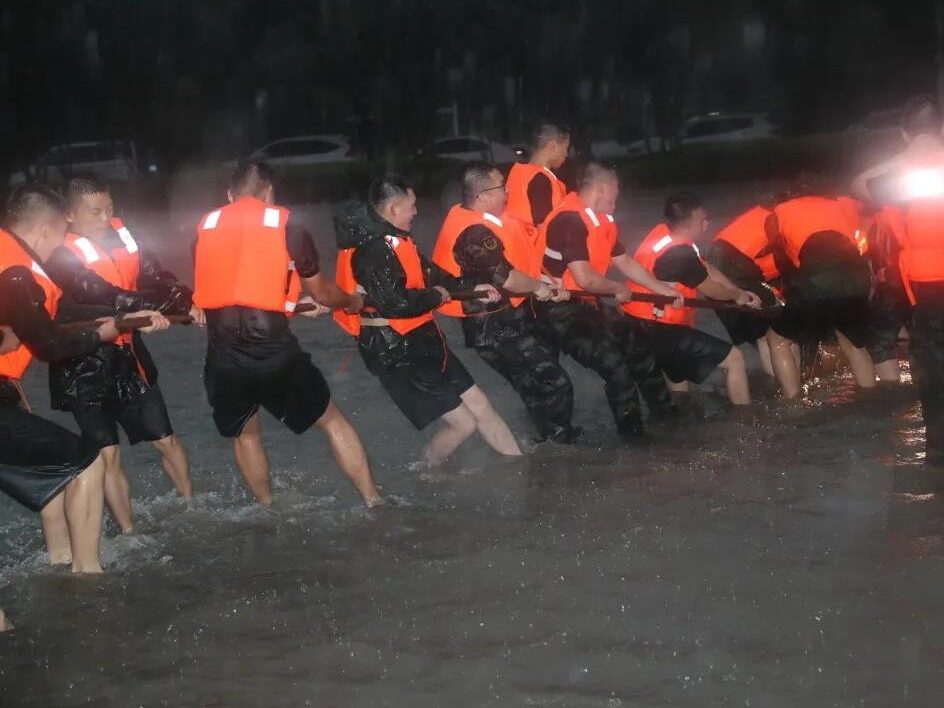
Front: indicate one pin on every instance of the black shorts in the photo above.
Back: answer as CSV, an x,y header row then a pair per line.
x,y
811,321
889,311
38,458
143,417
683,353
424,386
296,393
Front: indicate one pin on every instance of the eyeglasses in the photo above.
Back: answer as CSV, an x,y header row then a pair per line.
x,y
489,189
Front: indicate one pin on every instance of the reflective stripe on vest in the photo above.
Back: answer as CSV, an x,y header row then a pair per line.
x,y
409,258
519,177
518,249
14,364
748,234
242,257
652,247
800,218
602,235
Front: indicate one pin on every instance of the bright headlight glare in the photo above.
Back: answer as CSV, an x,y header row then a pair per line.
x,y
924,184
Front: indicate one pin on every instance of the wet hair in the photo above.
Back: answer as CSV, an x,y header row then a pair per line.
x,y
83,186
921,117
680,206
593,172
32,202
475,177
251,179
385,188
546,131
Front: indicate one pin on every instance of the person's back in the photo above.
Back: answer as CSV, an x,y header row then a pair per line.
x,y
249,267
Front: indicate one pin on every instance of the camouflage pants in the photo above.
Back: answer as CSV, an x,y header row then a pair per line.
x,y
508,342
603,340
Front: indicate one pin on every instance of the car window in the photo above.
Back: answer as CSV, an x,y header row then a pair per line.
x,y
451,145
706,127
308,147
739,123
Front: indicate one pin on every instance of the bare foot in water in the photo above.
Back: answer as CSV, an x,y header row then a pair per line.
x,y
375,502
5,624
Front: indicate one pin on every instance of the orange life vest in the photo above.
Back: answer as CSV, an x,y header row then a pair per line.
x,y
919,228
242,258
802,217
859,221
518,249
653,246
14,364
409,258
602,234
120,266
748,234
519,177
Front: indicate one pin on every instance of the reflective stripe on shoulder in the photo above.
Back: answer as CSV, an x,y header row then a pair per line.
x,y
271,218
126,238
212,219
359,289
291,265
551,253
610,218
393,241
36,268
494,219
593,216
88,250
661,244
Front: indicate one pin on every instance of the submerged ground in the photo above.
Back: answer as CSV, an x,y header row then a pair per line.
x,y
792,559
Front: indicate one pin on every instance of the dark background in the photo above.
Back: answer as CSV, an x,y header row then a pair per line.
x,y
212,79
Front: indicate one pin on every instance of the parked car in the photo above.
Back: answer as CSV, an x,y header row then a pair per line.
x,y
726,127
615,148
307,150
112,160
466,148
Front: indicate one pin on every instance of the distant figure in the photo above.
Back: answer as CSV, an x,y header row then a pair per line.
x,y
397,337
580,241
102,270
533,188
252,261
684,354
911,186
826,282
477,246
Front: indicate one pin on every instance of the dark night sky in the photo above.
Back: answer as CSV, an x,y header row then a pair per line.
x,y
209,77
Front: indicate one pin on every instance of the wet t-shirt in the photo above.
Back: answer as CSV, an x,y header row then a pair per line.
x,y
680,264
567,235
247,337
540,196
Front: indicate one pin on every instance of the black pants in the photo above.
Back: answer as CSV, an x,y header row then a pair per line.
x,y
602,339
510,343
926,352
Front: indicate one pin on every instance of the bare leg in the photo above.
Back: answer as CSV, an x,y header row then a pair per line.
x,y
763,351
252,461
735,371
349,453
859,361
175,464
785,364
5,625
56,531
84,514
491,426
889,371
680,387
117,489
459,426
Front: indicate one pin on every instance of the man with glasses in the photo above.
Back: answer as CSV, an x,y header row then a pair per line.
x,y
479,247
